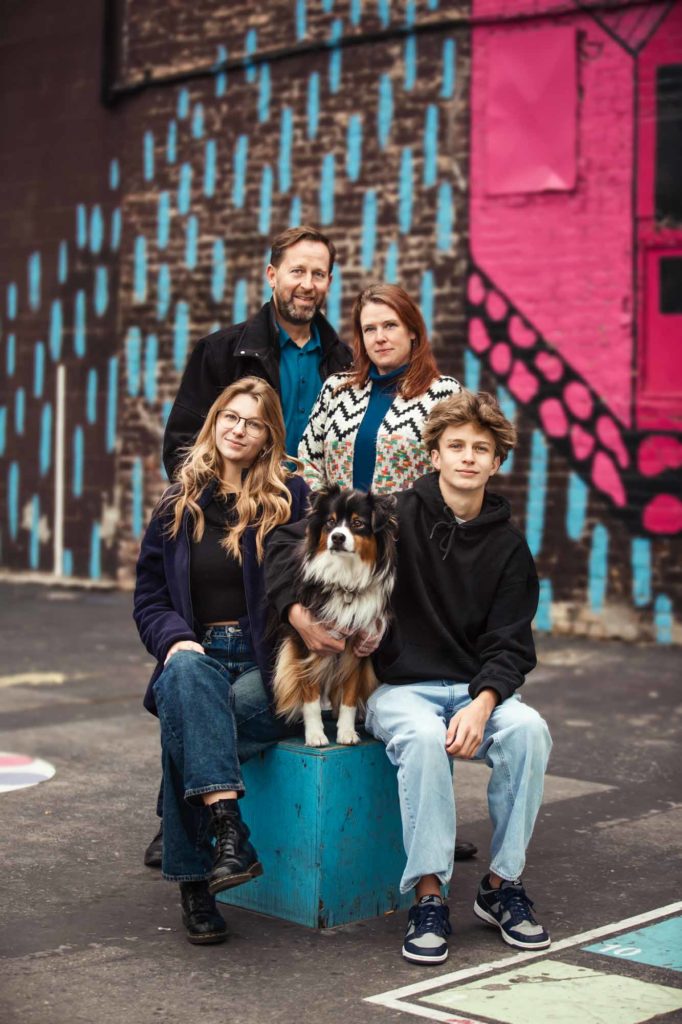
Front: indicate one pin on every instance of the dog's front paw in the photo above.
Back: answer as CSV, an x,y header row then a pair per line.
x,y
347,737
316,738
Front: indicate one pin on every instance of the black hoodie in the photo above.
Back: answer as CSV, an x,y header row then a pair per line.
x,y
465,596
464,599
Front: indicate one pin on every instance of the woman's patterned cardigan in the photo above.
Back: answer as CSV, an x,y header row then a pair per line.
x,y
328,444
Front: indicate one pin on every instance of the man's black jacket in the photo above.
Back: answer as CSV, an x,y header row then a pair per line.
x,y
248,349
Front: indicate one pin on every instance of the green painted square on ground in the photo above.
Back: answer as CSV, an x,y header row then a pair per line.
x,y
560,993
659,945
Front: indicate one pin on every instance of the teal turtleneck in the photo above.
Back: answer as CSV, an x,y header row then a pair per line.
x,y
384,389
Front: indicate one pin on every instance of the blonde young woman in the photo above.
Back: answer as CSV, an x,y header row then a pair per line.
x,y
200,610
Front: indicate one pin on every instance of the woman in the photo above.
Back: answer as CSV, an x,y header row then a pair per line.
x,y
200,610
365,428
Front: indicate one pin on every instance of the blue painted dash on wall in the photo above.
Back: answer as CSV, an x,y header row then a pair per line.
x,y
295,211
191,239
444,217
430,145
198,121
598,567
45,444
410,62
508,407
264,89
172,142
385,110
114,174
96,229
137,511
163,220
410,13
384,12
286,134
250,47
151,355
148,156
576,506
218,270
185,188
78,451
663,619
537,492
210,159
427,300
163,291
112,400
301,27
335,56
34,274
334,297
369,228
354,147
67,562
3,429
38,369
355,11
265,206
180,335
543,616
81,226
405,191
221,76
101,291
641,571
91,396
63,262
95,552
56,329
241,156
133,350
447,87
327,189
115,228
34,537
79,326
12,300
240,301
13,481
391,263
313,104
472,370
11,354
183,103
140,269
327,6
19,411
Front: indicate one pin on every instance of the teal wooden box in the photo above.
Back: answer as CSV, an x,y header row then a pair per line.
x,y
326,825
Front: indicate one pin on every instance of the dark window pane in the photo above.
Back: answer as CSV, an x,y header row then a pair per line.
x,y
670,269
669,143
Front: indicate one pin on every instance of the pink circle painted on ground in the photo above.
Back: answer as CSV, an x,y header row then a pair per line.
x,y
578,399
582,442
550,366
609,435
496,306
478,336
522,383
553,417
14,760
476,290
501,358
658,453
663,514
522,336
606,477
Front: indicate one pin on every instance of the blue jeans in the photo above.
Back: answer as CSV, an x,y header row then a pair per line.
x,y
214,713
412,720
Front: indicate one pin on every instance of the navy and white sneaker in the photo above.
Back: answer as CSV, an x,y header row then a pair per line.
x,y
510,910
428,926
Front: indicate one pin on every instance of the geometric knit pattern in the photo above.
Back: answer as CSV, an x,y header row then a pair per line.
x,y
328,444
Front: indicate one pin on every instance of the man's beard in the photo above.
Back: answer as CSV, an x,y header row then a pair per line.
x,y
293,315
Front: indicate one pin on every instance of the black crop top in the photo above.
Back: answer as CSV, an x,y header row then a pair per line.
x,y
216,578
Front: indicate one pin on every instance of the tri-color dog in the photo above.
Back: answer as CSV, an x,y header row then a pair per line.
x,y
345,578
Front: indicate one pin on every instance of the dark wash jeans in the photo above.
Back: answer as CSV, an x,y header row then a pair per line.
x,y
214,713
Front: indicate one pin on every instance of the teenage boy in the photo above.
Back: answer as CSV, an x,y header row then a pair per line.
x,y
456,653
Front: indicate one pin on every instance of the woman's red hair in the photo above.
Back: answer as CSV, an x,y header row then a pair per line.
x,y
422,369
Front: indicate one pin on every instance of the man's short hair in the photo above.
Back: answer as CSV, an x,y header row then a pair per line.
x,y
481,409
302,233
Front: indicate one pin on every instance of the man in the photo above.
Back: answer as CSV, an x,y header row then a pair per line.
x,y
288,342
456,653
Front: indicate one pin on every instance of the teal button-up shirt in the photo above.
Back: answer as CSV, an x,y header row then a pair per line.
x,y
300,383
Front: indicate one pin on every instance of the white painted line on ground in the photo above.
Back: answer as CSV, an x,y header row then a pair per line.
x,y
392,999
33,679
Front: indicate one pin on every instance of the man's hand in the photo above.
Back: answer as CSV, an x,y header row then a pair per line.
x,y
465,732
183,645
365,642
319,637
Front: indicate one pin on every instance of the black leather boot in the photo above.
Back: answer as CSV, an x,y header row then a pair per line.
x,y
235,861
464,850
201,919
152,855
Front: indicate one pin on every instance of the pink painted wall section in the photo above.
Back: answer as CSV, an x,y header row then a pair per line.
x,y
565,257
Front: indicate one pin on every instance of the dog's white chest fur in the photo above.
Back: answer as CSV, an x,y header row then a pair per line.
x,y
355,596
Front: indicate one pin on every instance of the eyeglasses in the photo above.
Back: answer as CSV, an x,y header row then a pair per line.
x,y
254,428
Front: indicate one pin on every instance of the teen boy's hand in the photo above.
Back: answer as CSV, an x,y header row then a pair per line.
x,y
319,637
466,728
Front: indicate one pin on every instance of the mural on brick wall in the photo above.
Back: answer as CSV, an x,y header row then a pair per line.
x,y
511,176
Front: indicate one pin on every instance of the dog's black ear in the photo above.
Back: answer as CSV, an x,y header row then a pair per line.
x,y
318,498
384,513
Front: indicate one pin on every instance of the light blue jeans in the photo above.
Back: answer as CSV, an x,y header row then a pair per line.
x,y
412,720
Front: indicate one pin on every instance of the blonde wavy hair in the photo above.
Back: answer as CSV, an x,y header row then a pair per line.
x,y
264,501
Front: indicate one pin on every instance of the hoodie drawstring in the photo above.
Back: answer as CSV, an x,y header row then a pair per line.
x,y
445,542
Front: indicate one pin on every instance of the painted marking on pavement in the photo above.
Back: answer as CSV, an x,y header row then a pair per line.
x,y
18,771
393,998
659,945
41,678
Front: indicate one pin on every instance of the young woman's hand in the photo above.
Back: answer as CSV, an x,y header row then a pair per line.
x,y
183,645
